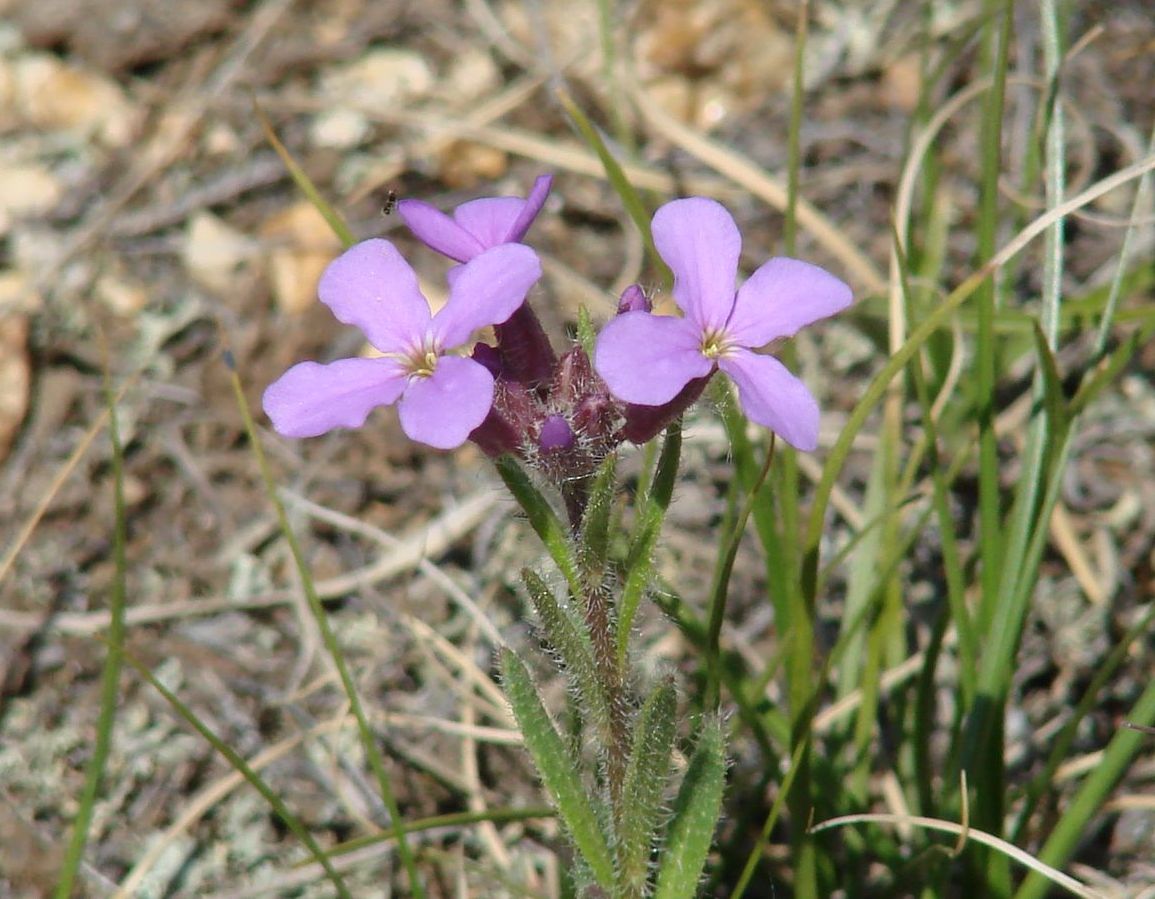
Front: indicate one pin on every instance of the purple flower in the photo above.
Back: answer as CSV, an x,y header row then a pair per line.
x,y
440,398
476,226
648,359
523,350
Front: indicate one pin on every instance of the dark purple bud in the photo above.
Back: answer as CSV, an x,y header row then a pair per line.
x,y
573,379
487,356
510,421
646,422
526,356
634,299
556,434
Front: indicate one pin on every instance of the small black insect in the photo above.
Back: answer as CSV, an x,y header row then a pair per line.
x,y
390,202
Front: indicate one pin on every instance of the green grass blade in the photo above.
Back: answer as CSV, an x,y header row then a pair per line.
x,y
1072,827
365,731
292,822
593,545
542,519
696,808
645,783
113,663
631,199
558,770
304,182
452,819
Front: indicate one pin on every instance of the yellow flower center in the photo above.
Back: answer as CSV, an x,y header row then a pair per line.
x,y
422,366
714,344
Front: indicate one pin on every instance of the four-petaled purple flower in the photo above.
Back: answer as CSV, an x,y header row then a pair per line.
x,y
648,359
440,398
476,226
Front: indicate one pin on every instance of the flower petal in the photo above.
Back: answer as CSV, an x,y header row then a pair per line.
x,y
533,203
310,399
371,287
441,410
646,359
700,243
781,297
486,291
435,229
773,397
489,219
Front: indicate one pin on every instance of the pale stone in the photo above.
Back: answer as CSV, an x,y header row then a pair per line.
x,y
341,128
53,96
378,80
214,252
302,245
120,295
25,191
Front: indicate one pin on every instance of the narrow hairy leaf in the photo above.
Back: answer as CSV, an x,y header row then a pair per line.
x,y
695,816
651,513
571,643
542,519
646,777
595,530
558,770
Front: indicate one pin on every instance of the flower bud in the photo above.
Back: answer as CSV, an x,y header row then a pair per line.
x,y
556,434
634,299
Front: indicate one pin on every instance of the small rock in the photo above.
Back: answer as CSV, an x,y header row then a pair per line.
x,y
53,96
214,252
340,128
465,164
15,378
380,79
26,190
119,295
303,244
472,76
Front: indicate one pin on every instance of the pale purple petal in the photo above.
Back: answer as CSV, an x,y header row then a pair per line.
x,y
486,291
772,397
533,203
646,359
700,243
781,297
435,229
310,398
489,219
372,288
441,410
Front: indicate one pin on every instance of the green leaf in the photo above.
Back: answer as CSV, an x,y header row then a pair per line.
x,y
542,519
595,532
695,816
631,200
304,182
1053,399
234,758
646,777
571,642
651,514
558,770
94,772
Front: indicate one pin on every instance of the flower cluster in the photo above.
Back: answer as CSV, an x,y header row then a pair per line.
x,y
517,396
